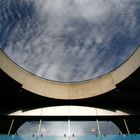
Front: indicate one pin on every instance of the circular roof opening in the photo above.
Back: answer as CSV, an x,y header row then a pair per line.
x,y
69,41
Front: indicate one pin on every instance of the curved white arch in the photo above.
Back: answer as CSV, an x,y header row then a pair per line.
x,y
68,111
77,90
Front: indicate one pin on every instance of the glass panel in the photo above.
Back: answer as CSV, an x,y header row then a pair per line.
x,y
5,125
90,137
83,128
108,137
25,126
23,137
133,125
54,128
68,129
116,137
119,122
108,127
47,128
136,136
29,128
52,138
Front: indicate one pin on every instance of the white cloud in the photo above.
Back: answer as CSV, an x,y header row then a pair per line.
x,y
71,39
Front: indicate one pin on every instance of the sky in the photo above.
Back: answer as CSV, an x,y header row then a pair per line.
x,y
69,40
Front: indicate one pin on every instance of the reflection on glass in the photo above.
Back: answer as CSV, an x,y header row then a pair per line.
x,y
28,128
61,128
133,125
5,125
107,127
80,128
50,128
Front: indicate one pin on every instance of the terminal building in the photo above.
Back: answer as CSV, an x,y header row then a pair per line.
x,y
113,114
69,70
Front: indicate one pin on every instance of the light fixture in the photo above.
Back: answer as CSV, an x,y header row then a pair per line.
x,y
93,130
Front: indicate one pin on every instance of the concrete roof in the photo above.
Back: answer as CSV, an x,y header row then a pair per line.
x,y
77,90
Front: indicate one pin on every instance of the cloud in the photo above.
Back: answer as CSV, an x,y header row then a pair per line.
x,y
70,40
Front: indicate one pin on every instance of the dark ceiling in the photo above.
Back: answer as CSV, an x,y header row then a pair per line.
x,y
125,97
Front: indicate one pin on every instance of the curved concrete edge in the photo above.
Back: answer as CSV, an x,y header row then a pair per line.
x,y
68,111
78,90
126,69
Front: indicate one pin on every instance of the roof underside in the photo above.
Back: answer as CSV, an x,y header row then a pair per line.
x,y
125,97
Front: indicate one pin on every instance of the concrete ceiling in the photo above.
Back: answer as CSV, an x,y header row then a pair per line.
x,y
124,97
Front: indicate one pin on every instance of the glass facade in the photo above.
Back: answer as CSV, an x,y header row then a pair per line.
x,y
55,128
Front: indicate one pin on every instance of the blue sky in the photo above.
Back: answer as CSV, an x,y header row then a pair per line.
x,y
69,40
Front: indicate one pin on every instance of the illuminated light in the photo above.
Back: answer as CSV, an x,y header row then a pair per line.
x,y
93,130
